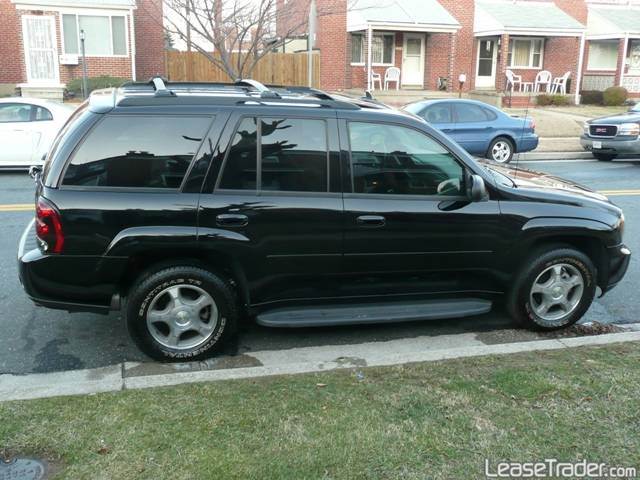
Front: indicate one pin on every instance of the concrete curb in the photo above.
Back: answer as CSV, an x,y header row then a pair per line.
x,y
119,377
528,156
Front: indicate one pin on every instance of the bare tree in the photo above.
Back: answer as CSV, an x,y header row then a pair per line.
x,y
235,34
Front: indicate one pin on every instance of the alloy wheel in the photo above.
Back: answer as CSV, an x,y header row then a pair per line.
x,y
556,293
182,317
501,151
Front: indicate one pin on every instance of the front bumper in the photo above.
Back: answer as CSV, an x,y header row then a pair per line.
x,y
619,258
616,145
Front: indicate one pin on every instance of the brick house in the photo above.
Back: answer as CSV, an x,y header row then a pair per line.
x,y
434,39
40,51
612,56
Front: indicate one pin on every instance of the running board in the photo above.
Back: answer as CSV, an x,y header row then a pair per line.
x,y
325,315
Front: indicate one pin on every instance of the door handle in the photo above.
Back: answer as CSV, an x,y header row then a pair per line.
x,y
371,220
232,220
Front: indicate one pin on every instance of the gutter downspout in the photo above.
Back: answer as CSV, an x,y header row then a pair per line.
x,y
579,73
132,42
624,57
369,56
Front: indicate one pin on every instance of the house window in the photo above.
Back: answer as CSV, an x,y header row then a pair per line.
x,y
603,55
357,48
525,52
382,48
104,35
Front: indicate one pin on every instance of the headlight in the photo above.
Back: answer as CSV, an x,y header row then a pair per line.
x,y
631,129
585,128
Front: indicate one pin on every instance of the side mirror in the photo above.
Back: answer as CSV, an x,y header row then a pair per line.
x,y
35,171
478,189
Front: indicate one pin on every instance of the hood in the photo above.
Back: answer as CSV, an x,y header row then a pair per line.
x,y
533,181
626,117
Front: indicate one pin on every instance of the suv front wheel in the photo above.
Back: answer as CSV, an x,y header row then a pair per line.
x,y
553,290
180,313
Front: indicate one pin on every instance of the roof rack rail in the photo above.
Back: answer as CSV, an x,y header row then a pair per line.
x,y
265,92
160,87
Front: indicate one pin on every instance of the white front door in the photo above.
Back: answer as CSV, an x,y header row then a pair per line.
x,y
40,49
413,60
487,63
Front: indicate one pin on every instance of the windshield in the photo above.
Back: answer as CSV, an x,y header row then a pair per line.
x,y
636,107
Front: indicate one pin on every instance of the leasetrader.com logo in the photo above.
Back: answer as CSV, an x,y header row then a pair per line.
x,y
552,468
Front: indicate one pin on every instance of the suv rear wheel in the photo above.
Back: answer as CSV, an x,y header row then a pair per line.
x,y
180,313
553,290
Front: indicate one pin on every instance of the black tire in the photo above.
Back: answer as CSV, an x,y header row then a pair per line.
x,y
496,151
604,157
150,288
520,298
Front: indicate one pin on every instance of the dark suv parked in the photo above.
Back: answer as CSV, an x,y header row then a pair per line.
x,y
191,206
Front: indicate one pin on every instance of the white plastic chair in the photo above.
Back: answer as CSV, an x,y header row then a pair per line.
x,y
560,84
543,77
513,79
375,77
392,75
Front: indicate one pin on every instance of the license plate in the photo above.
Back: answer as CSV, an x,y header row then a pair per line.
x,y
596,145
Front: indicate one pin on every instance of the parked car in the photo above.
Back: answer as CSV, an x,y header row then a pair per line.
x,y
608,137
481,129
27,129
191,208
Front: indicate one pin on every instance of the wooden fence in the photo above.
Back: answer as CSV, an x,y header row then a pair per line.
x,y
273,68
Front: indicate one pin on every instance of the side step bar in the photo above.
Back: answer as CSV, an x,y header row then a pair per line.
x,y
325,315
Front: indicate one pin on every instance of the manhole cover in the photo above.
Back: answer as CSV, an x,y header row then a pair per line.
x,y
22,469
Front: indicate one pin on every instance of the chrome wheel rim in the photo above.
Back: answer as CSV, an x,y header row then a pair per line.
x,y
182,317
556,293
501,151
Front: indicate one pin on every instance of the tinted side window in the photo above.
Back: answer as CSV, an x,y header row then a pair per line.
x,y
294,155
137,151
439,113
491,115
467,113
390,159
15,112
240,170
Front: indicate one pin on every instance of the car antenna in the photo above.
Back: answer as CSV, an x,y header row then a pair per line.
x,y
524,124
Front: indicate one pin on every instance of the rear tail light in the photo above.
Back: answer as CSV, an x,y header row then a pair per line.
x,y
49,227
532,124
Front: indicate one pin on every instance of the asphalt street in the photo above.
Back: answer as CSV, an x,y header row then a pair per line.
x,y
34,339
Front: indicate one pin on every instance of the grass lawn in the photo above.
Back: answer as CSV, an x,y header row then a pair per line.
x,y
420,421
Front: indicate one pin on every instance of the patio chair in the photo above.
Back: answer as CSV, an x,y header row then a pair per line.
x,y
513,79
559,84
392,75
543,77
375,77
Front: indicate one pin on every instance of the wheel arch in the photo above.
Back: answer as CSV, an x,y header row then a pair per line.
x,y
144,263
505,135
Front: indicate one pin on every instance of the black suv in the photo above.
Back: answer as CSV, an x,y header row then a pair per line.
x,y
191,206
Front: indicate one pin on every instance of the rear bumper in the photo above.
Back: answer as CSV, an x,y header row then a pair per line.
x,y
527,143
622,145
63,282
619,258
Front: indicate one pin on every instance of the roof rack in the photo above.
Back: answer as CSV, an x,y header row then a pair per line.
x,y
242,91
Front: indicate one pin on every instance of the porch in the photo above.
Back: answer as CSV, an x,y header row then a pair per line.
x,y
525,49
409,43
613,48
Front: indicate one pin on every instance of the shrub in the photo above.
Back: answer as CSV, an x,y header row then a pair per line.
x,y
591,97
556,100
95,83
614,96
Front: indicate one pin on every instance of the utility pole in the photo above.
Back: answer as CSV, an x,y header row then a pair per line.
x,y
85,86
311,40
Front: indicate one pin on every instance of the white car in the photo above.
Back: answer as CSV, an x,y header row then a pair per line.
x,y
27,129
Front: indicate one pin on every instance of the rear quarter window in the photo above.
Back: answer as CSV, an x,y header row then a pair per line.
x,y
137,152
